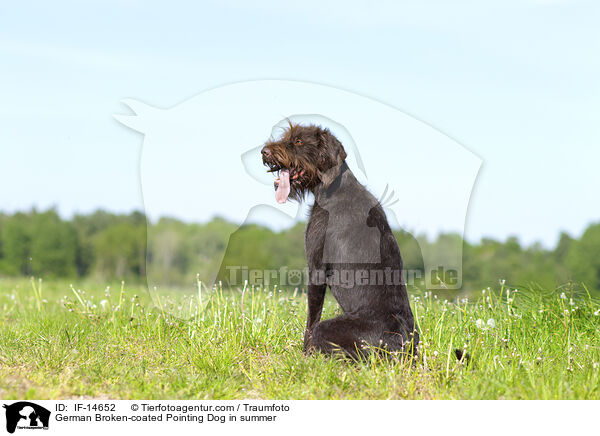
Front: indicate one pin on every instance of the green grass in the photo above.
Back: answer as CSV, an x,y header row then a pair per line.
x,y
58,342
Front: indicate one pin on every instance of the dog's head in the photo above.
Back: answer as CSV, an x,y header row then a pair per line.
x,y
305,157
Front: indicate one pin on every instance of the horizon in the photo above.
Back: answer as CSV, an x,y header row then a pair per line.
x,y
303,222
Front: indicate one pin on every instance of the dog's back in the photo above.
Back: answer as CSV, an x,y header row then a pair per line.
x,y
348,237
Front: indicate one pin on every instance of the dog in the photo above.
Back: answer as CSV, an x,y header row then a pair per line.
x,y
349,246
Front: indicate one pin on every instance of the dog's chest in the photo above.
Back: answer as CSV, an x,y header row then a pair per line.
x,y
340,234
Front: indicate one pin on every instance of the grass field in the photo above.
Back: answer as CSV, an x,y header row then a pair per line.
x,y
124,343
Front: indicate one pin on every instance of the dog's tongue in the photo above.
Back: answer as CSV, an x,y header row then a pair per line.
x,y
283,188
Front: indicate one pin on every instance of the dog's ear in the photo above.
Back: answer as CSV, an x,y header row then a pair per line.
x,y
335,155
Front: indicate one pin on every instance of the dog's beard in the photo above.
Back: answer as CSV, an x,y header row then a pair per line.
x,y
295,177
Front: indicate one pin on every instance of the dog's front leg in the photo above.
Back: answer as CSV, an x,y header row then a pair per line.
x,y
316,297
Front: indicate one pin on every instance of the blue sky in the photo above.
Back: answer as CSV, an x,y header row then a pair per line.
x,y
516,82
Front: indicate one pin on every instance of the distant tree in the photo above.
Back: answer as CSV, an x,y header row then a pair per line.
x,y
3,218
583,257
16,245
562,248
412,256
169,256
53,246
251,247
120,251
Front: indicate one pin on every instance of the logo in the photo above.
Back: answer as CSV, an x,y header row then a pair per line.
x,y
434,174
26,415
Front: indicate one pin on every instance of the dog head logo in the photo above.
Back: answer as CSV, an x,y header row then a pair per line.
x,y
206,151
26,415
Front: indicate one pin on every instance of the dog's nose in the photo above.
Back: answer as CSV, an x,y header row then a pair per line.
x,y
265,152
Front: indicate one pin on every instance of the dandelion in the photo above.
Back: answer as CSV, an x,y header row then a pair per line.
x,y
491,323
479,323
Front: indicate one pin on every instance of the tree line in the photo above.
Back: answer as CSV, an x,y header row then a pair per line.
x,y
107,246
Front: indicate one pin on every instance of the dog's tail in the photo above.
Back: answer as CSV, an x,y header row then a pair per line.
x,y
462,356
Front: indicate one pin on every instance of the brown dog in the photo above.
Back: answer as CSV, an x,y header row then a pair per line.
x,y
349,247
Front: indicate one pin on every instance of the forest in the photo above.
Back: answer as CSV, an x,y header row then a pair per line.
x,y
108,246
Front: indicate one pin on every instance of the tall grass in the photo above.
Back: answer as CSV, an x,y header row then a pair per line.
x,y
96,341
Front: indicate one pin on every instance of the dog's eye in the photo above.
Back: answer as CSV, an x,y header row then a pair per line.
x,y
298,142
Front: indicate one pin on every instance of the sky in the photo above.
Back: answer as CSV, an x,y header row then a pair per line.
x,y
515,82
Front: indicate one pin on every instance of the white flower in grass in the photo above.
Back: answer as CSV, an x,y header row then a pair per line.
x,y
479,323
491,323
104,304
563,296
597,313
